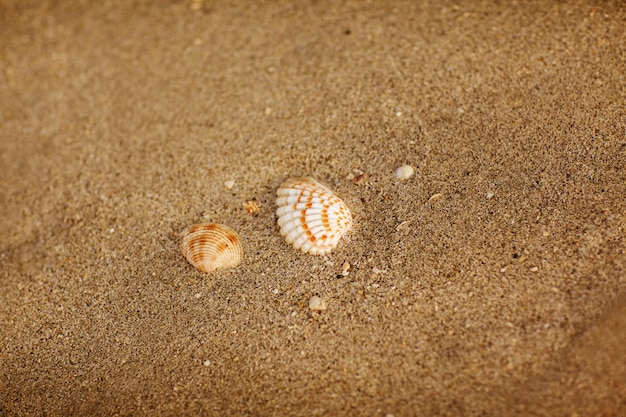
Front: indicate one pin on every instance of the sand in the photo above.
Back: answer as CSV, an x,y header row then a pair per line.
x,y
492,282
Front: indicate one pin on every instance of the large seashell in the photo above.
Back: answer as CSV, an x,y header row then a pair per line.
x,y
310,216
209,246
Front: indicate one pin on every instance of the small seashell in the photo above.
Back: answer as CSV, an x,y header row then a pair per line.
x,y
403,224
436,197
310,216
404,172
251,207
209,246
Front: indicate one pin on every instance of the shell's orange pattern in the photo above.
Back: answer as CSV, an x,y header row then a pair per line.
x,y
210,246
310,216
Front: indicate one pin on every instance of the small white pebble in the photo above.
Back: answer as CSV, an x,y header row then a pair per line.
x,y
404,172
489,195
206,362
317,304
229,184
275,290
112,230
376,270
345,269
197,295
503,269
534,269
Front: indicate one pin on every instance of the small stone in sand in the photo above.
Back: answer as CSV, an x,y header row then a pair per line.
x,y
345,269
360,178
317,304
206,362
404,172
229,184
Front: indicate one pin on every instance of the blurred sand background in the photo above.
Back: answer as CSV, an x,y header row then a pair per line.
x,y
504,295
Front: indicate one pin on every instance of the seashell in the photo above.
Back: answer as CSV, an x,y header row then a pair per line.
x,y
436,197
209,246
251,207
310,216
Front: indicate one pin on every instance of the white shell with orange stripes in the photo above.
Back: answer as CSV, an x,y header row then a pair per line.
x,y
310,216
209,246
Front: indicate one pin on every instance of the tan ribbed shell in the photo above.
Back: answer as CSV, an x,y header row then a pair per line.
x,y
310,216
210,246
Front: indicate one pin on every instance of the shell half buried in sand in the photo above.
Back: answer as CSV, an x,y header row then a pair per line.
x,y
210,246
310,216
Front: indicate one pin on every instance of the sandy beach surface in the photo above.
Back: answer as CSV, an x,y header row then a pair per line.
x,y
490,283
